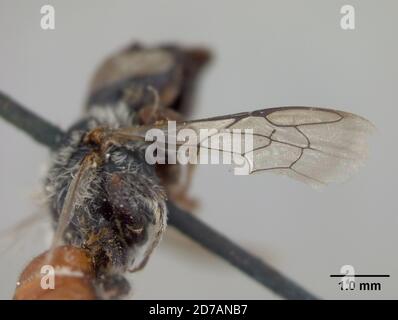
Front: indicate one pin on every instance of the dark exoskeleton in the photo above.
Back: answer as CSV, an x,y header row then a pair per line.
x,y
120,212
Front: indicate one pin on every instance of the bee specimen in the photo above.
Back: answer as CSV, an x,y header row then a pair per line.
x,y
106,198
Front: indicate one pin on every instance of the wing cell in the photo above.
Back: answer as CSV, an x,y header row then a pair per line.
x,y
314,145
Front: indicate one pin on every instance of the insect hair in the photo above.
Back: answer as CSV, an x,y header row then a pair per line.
x,y
111,116
145,194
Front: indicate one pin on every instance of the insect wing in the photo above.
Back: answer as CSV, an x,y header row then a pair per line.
x,y
314,145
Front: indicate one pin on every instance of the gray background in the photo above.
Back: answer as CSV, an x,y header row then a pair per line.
x,y
267,53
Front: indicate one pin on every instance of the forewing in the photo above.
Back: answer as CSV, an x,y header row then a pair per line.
x,y
314,145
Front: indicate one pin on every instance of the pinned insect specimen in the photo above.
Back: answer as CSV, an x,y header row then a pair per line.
x,y
108,200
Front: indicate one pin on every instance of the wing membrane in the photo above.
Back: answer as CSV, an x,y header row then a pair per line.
x,y
314,145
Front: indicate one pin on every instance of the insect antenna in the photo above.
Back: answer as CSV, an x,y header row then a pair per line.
x,y
88,163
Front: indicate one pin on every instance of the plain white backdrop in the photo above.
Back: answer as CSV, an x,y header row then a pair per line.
x,y
266,53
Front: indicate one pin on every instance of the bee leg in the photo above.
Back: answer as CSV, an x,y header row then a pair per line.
x,y
141,265
176,180
174,177
112,286
179,193
155,112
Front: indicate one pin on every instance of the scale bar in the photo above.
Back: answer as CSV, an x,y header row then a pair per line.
x,y
360,275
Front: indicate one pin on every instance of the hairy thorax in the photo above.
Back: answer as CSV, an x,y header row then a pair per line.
x,y
120,212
